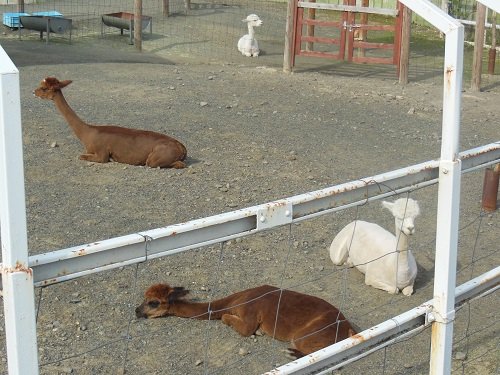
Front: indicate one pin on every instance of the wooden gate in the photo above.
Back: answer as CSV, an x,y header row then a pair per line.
x,y
347,35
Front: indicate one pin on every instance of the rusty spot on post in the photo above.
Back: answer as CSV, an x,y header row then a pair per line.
x,y
20,267
80,252
359,338
449,72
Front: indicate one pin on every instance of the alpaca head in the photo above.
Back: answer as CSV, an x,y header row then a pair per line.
x,y
253,20
404,210
158,300
49,86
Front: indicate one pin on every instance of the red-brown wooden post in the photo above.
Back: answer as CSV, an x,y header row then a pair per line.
x,y
490,188
138,24
478,47
20,6
404,58
288,55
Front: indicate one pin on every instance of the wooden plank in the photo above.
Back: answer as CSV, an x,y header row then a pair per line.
x,y
328,55
371,45
323,23
375,27
349,8
373,60
319,39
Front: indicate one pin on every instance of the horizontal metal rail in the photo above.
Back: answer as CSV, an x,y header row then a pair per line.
x,y
349,8
385,333
65,264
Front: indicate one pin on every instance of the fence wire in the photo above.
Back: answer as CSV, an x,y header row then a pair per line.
x,y
209,31
117,341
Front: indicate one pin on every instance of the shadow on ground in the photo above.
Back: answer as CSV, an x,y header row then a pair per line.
x,y
27,53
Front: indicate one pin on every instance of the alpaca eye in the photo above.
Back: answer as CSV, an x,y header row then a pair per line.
x,y
153,304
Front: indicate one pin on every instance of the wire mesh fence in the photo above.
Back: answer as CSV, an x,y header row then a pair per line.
x,y
209,32
89,326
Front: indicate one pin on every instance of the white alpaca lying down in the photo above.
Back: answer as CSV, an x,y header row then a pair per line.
x,y
384,258
247,44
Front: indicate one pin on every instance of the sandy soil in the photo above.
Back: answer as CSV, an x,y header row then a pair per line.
x,y
262,135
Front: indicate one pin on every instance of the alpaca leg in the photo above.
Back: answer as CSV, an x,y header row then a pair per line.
x,y
381,285
408,290
96,157
165,156
305,341
178,165
339,253
293,353
245,327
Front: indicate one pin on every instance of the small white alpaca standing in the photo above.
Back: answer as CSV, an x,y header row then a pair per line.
x,y
384,258
247,44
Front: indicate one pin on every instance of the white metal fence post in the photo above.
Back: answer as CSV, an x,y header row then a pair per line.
x,y
448,208
443,312
17,278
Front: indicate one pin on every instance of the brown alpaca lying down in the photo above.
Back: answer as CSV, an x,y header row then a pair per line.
x,y
107,142
300,315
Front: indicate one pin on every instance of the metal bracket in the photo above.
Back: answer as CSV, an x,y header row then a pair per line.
x,y
434,316
351,26
273,214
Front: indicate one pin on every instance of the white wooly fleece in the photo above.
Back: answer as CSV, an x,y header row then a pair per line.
x,y
384,258
247,44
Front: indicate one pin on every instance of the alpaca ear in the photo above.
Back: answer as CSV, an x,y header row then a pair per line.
x,y
177,293
64,83
51,81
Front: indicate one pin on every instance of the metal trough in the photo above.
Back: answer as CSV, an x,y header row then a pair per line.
x,y
48,24
125,21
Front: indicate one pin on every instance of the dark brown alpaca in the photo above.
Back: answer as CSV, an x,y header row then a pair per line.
x,y
107,142
308,322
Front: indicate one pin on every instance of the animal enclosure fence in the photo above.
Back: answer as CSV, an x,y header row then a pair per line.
x,y
228,227
72,345
210,30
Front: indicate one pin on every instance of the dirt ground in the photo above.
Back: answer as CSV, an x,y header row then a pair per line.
x,y
254,134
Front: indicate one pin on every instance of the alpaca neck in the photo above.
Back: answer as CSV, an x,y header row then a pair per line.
x,y
402,244
185,309
78,126
251,31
